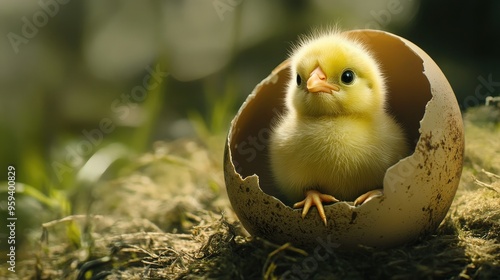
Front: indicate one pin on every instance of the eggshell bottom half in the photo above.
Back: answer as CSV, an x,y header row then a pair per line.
x,y
418,190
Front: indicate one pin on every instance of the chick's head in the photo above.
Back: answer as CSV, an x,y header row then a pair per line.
x,y
334,75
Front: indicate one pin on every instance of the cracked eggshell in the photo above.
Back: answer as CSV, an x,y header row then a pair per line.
x,y
418,190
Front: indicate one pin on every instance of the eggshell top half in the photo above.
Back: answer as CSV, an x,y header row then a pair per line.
x,y
418,190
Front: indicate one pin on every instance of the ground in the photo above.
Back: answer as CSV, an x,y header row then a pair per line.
x,y
169,218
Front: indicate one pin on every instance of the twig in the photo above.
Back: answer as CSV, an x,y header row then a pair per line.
x,y
489,174
491,99
482,184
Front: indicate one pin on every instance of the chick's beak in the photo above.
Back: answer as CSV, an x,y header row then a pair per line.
x,y
317,82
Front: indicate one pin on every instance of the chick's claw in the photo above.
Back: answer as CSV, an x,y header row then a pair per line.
x,y
368,196
315,198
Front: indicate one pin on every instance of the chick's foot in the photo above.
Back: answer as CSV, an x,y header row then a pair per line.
x,y
368,196
315,198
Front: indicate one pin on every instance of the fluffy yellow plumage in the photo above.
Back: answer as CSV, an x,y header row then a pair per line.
x,y
335,141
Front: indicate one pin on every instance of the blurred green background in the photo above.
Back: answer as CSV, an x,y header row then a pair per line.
x,y
86,85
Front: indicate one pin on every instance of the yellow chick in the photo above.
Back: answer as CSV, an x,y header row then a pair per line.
x,y
335,140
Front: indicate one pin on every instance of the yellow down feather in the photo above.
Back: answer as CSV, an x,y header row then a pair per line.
x,y
338,143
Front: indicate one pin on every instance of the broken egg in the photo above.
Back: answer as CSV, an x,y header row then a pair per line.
x,y
418,190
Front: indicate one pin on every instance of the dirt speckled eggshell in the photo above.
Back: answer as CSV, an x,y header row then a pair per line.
x,y
418,190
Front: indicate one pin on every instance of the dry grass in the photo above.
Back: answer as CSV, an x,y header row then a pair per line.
x,y
164,221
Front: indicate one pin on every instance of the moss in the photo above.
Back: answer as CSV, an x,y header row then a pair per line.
x,y
169,218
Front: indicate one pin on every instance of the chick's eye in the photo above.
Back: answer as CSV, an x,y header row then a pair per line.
x,y
347,77
299,80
